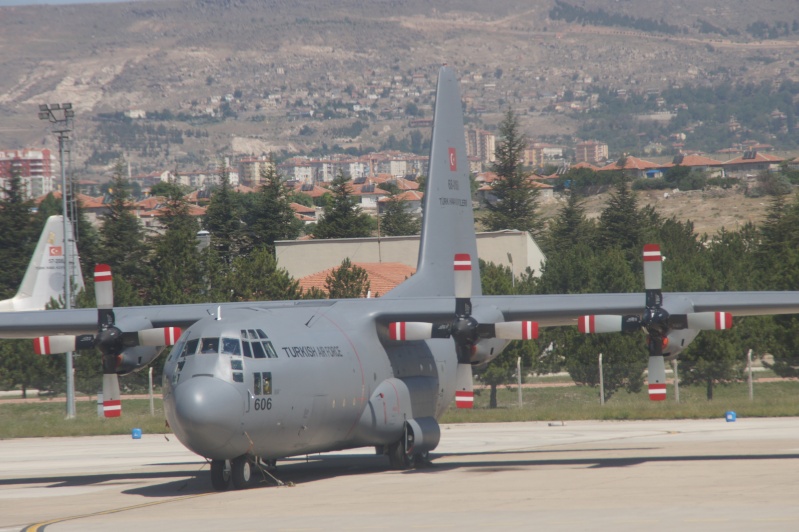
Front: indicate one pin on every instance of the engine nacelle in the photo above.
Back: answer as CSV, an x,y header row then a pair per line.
x,y
134,357
421,435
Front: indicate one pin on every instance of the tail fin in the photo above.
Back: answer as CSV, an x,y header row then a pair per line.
x,y
448,223
44,278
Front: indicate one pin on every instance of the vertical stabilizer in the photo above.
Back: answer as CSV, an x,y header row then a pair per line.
x,y
448,222
44,278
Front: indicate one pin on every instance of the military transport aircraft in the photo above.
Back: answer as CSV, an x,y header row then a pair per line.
x,y
249,383
44,278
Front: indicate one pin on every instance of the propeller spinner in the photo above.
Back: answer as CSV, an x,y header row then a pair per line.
x,y
110,340
656,321
464,329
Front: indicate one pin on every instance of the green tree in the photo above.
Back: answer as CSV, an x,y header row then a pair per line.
x,y
713,358
497,280
516,196
256,277
570,227
271,217
343,217
177,274
18,234
223,220
620,222
122,242
396,220
347,281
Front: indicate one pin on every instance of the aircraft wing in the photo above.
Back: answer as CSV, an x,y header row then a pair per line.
x,y
84,321
563,310
552,310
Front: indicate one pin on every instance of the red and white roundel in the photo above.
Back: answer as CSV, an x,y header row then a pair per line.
x,y
453,160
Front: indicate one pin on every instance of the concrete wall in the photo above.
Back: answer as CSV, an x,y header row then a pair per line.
x,y
304,257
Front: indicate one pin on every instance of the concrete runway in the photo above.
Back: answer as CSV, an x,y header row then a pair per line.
x,y
638,475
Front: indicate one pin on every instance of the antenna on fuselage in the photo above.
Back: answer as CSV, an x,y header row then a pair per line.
x,y
219,313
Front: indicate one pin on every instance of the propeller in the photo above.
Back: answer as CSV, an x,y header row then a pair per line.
x,y
110,340
656,321
463,329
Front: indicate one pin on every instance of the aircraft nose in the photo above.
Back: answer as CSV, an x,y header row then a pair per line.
x,y
207,414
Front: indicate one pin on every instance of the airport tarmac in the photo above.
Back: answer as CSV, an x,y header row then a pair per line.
x,y
586,475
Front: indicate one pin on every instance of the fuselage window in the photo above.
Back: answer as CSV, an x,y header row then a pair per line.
x,y
235,363
231,346
258,350
262,383
256,383
238,377
191,348
270,349
209,345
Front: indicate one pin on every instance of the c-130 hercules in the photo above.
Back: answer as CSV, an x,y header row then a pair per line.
x,y
249,383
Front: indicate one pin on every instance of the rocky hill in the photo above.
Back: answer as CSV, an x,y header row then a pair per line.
x,y
249,76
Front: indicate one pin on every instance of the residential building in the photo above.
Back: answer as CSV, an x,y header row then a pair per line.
x,y
34,167
591,151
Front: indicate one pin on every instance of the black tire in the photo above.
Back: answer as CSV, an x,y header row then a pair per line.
x,y
398,458
242,472
220,474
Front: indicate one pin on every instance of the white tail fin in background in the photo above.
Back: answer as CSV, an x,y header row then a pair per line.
x,y
44,278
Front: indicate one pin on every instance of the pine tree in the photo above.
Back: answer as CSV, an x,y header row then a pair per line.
x,y
396,220
347,281
177,273
516,196
570,227
18,234
620,223
343,217
271,217
256,277
122,243
223,220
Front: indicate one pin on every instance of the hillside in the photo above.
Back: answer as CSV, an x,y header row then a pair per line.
x,y
246,76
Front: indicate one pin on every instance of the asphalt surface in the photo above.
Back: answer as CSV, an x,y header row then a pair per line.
x,y
652,475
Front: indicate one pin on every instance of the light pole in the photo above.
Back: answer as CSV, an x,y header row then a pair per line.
x,y
61,116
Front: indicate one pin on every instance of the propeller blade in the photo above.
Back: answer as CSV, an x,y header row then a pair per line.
x,y
410,330
600,323
464,387
103,286
709,321
516,330
160,336
112,403
657,378
50,345
653,267
463,285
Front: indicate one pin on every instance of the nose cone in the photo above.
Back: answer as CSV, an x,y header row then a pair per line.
x,y
206,414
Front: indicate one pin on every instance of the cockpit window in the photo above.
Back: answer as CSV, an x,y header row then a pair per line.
x,y
258,350
209,345
247,352
261,334
231,346
251,334
270,349
191,348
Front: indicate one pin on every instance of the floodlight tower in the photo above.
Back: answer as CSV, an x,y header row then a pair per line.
x,y
61,115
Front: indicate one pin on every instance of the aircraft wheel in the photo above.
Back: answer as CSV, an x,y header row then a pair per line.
x,y
220,474
398,458
242,471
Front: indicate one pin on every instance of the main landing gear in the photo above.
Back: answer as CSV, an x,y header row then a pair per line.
x,y
241,472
